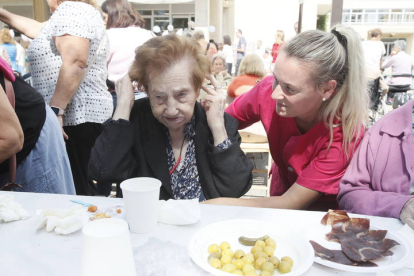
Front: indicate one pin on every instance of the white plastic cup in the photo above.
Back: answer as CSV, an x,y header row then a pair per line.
x,y
141,197
107,249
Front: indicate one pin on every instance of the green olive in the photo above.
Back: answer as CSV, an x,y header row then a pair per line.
x,y
284,267
275,261
287,259
216,255
268,266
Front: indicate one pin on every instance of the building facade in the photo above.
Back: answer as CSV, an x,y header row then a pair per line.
x,y
259,19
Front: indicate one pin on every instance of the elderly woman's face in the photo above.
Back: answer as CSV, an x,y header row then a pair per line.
x,y
172,96
218,65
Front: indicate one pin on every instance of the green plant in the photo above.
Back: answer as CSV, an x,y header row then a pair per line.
x,y
321,22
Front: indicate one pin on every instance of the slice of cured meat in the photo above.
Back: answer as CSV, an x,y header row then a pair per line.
x,y
358,242
367,247
333,215
337,256
350,228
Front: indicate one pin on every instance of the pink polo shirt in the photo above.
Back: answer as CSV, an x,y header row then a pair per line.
x,y
298,158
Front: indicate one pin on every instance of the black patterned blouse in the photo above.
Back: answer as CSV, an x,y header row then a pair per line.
x,y
185,182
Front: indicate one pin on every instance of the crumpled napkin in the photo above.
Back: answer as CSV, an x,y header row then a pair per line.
x,y
179,212
11,210
63,221
408,234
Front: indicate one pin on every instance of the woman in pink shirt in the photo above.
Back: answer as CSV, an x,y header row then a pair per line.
x,y
125,33
313,110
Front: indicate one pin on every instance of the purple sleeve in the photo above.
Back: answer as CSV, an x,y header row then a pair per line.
x,y
356,192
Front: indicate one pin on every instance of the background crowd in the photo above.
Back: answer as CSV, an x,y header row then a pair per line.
x,y
110,100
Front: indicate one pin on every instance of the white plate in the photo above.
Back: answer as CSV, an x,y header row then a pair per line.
x,y
287,243
402,252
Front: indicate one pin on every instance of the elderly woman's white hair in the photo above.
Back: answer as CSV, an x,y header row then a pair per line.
x,y
400,44
219,55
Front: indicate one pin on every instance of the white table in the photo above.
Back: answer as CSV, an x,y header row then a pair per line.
x,y
27,251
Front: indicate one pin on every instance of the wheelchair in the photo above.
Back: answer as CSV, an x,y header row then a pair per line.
x,y
378,107
394,89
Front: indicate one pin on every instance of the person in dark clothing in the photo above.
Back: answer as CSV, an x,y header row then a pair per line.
x,y
193,148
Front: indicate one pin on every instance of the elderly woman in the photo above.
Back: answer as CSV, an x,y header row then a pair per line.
x,y
68,64
313,109
251,72
193,148
219,70
379,179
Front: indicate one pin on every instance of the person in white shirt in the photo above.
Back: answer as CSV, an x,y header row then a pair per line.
x,y
260,49
374,50
228,53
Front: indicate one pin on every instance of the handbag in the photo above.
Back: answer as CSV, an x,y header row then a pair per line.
x,y
12,160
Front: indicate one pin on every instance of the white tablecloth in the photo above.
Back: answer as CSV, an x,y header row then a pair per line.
x,y
27,251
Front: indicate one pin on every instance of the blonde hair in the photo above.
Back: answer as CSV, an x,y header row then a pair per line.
x,y
280,37
5,36
329,59
251,64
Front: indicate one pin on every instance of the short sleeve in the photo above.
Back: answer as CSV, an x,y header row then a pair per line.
x,y
325,171
247,107
72,18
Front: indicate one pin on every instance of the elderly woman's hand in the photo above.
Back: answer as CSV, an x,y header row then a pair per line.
x,y
214,105
407,213
125,98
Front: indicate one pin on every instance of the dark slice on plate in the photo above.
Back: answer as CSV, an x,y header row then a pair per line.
x,y
337,256
364,249
358,242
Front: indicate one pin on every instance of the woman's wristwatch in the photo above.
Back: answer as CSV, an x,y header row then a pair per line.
x,y
58,111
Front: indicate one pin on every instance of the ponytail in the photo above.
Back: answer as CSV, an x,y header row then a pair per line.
x,y
336,55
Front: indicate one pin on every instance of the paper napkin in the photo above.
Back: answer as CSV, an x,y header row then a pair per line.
x,y
11,210
62,221
179,212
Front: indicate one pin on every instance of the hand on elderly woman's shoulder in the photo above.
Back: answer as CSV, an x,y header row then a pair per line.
x,y
407,213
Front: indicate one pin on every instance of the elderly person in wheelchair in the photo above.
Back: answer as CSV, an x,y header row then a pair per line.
x,y
402,65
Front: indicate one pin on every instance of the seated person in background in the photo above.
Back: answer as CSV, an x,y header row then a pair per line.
x,y
313,110
192,148
43,163
219,71
400,63
379,179
250,73
212,49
